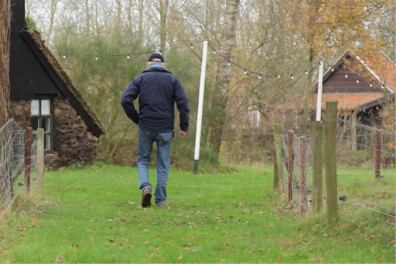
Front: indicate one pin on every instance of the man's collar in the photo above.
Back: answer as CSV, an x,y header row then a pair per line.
x,y
156,65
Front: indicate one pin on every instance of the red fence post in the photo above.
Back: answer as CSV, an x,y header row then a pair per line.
x,y
290,137
303,185
377,157
28,151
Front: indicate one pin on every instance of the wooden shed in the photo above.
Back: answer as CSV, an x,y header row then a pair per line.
x,y
360,86
43,96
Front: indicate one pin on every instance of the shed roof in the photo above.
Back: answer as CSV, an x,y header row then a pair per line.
x,y
349,102
384,68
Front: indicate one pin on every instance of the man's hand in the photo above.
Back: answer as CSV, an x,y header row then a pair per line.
x,y
182,133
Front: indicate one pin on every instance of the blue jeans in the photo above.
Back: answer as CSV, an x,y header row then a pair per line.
x,y
145,147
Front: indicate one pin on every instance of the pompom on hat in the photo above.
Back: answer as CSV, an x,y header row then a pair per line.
x,y
156,55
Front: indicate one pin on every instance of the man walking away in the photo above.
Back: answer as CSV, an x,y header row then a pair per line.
x,y
158,90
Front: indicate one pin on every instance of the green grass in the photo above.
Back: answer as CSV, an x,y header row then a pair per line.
x,y
93,214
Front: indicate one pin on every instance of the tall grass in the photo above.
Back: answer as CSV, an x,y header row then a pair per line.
x,y
93,214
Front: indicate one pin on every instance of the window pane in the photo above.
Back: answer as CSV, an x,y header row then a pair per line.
x,y
35,123
45,107
47,142
46,124
35,107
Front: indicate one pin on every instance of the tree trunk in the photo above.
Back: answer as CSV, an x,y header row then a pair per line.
x,y
87,19
5,29
54,4
219,102
163,16
140,30
305,117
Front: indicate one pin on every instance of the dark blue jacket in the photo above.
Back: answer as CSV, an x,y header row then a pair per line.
x,y
158,91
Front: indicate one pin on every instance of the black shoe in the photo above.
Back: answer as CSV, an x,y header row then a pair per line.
x,y
146,198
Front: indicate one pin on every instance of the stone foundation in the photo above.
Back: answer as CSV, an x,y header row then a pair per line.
x,y
73,142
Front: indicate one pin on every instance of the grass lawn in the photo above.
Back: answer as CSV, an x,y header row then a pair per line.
x,y
93,214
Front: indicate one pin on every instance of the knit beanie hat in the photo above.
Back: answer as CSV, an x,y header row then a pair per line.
x,y
156,55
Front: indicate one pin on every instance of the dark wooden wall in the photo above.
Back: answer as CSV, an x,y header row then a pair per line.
x,y
28,77
337,82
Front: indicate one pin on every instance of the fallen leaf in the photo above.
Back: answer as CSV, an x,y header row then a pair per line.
x,y
111,240
219,216
132,246
225,245
224,232
59,258
78,245
192,224
95,168
180,257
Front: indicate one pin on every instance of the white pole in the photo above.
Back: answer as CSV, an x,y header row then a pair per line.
x,y
320,88
200,106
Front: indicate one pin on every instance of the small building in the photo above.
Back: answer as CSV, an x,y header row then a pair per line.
x,y
360,86
43,96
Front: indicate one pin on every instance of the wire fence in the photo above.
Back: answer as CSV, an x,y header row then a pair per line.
x,y
12,162
358,146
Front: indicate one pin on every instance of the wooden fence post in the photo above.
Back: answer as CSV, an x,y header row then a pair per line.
x,y
40,158
317,179
302,146
353,130
290,139
377,157
28,151
278,177
330,161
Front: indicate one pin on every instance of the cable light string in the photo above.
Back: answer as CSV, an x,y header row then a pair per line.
x,y
230,62
291,76
65,55
259,75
